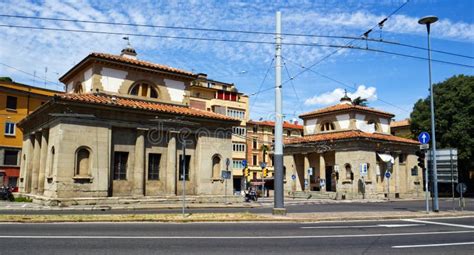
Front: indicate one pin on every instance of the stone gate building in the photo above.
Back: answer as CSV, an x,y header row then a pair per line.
x,y
343,140
119,132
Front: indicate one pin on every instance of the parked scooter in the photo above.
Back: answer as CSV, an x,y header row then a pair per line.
x,y
251,195
6,193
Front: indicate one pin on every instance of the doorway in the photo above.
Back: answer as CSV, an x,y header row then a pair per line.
x,y
330,182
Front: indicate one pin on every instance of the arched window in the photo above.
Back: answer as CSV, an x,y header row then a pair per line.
x,y
143,89
373,122
327,126
216,166
77,88
83,162
51,166
349,174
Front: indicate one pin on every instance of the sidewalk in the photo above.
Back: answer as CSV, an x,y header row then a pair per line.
x,y
262,202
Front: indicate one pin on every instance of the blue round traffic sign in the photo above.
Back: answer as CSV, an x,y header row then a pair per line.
x,y
293,177
424,137
244,163
387,174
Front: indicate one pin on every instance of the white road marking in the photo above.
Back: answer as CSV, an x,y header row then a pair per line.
x,y
400,225
440,223
431,245
234,237
365,226
342,227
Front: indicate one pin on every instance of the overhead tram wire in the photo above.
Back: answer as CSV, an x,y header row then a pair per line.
x,y
239,31
240,41
292,84
343,84
32,75
261,84
349,43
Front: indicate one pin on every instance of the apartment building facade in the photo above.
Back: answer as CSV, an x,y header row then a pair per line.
x,y
224,98
16,102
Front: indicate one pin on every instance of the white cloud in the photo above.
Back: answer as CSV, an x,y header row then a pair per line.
x,y
32,50
334,96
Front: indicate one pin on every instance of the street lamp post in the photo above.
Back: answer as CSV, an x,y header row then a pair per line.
x,y
428,20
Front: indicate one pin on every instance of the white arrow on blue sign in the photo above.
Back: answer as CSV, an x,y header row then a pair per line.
x,y
244,163
424,137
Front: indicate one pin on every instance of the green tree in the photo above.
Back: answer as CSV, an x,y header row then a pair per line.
x,y
454,118
360,101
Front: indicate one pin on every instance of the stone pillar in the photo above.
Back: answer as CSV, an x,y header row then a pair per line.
x,y
139,166
25,163
43,157
36,163
171,172
396,173
322,170
306,175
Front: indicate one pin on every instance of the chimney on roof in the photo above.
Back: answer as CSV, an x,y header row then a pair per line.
x,y
202,76
128,52
345,99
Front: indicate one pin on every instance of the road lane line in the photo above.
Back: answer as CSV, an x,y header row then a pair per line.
x,y
431,245
234,237
440,223
341,227
365,226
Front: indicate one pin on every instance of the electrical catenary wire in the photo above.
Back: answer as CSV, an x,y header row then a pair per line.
x,y
339,47
293,86
342,83
30,74
261,84
364,35
238,31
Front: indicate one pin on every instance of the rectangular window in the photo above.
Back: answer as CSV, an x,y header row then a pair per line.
x,y
154,166
10,158
10,128
13,181
254,144
402,158
237,164
254,129
120,165
254,160
11,103
238,147
238,131
186,172
239,114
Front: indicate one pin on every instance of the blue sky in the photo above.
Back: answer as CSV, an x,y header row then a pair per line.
x,y
391,83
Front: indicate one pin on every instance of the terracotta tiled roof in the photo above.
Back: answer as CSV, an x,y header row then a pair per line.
x,y
349,135
286,124
401,123
139,63
105,99
345,107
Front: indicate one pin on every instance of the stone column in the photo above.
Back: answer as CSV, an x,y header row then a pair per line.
x,y
139,166
306,175
171,172
36,163
43,157
396,173
25,162
322,170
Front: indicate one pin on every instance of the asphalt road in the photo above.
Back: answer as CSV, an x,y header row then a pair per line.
x,y
300,207
431,236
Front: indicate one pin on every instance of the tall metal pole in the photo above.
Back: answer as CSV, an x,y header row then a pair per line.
x,y
426,186
428,21
183,174
279,207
